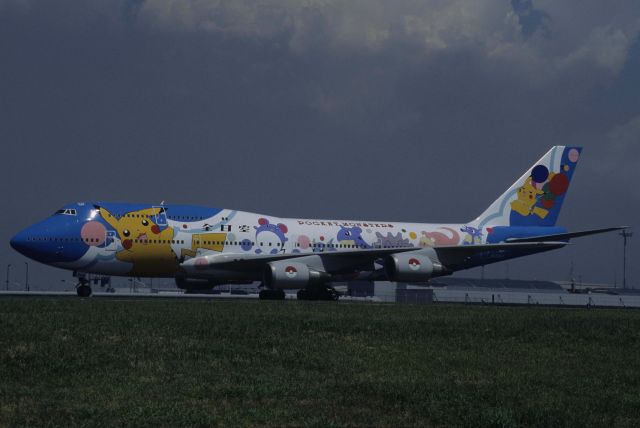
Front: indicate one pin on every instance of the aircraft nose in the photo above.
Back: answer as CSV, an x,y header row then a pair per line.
x,y
19,242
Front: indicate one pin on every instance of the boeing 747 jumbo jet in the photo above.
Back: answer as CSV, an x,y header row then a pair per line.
x,y
203,247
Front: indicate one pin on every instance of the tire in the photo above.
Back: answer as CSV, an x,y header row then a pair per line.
x,y
272,295
83,291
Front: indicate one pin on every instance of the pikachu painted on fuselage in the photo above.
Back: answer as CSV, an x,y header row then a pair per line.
x,y
144,244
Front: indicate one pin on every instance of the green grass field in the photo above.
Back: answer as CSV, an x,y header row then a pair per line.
x,y
171,362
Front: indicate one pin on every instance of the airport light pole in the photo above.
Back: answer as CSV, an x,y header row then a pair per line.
x,y
625,235
8,269
26,284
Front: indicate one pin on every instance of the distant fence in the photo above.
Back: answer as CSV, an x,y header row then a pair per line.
x,y
409,296
547,299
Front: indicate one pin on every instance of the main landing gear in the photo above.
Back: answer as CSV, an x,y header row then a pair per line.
x,y
318,293
312,293
83,289
270,294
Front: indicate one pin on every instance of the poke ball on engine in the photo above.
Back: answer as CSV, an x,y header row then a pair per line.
x,y
202,263
414,264
290,271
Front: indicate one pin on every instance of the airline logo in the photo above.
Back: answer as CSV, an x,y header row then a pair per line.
x,y
414,264
291,271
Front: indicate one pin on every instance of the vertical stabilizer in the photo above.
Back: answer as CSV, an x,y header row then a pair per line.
x,y
536,198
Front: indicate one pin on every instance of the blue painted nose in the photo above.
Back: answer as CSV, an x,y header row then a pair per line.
x,y
26,243
53,240
19,243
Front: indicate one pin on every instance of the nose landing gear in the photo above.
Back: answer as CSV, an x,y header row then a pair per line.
x,y
83,289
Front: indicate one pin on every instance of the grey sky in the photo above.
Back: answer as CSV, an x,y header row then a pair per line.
x,y
393,110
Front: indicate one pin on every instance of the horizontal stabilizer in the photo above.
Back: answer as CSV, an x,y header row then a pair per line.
x,y
564,236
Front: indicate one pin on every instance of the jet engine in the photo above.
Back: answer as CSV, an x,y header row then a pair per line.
x,y
286,274
410,267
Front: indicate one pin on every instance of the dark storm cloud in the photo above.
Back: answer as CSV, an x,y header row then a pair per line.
x,y
383,110
130,10
531,20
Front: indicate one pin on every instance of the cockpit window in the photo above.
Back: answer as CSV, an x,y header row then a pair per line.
x,y
67,211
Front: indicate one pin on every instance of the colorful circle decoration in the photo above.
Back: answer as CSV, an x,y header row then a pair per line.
x,y
573,155
547,202
539,173
414,264
559,184
245,244
93,233
412,235
291,271
304,241
202,263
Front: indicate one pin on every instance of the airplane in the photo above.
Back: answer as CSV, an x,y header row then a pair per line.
x,y
203,247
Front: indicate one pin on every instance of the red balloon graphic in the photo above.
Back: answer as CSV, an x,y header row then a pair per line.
x,y
559,184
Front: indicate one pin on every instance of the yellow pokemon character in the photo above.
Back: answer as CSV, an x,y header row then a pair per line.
x,y
207,241
145,245
527,197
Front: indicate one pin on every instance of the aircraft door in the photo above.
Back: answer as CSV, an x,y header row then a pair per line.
x,y
161,217
110,241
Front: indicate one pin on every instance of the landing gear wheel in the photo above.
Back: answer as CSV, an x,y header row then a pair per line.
x,y
83,290
328,294
271,294
322,293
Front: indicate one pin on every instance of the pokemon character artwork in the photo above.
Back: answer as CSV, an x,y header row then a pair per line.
x,y
144,243
201,247
536,198
543,192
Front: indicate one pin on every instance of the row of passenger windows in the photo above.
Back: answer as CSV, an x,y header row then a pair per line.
x,y
58,239
175,217
278,244
181,241
158,241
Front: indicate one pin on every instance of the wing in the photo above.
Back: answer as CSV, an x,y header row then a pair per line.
x,y
451,257
243,262
563,236
456,258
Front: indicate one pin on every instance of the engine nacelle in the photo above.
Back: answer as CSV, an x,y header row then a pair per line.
x,y
287,274
408,267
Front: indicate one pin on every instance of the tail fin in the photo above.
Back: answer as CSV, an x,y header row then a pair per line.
x,y
536,198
